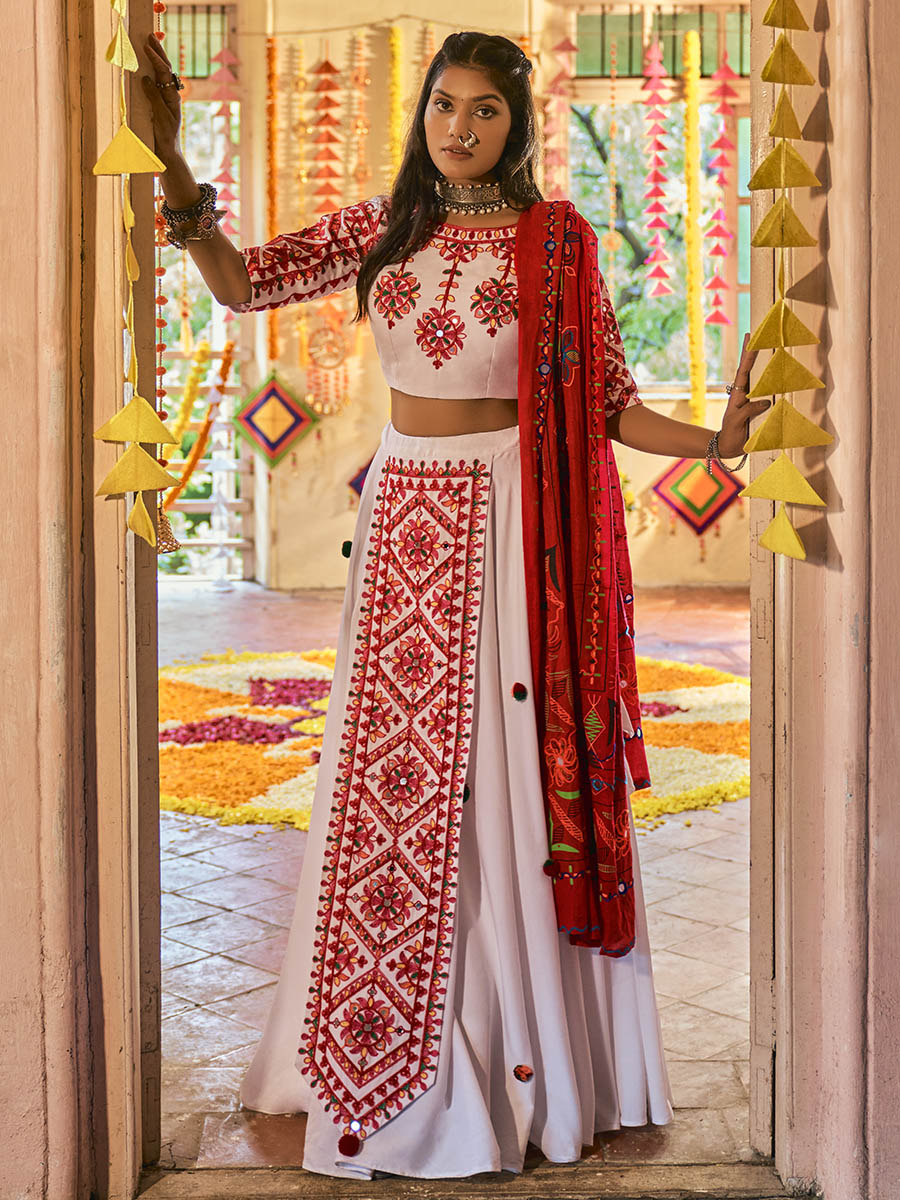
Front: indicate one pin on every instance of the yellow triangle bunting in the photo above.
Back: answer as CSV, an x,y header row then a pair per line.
x,y
781,537
782,481
135,471
784,119
783,167
120,51
784,66
781,327
140,522
784,426
136,422
784,14
126,154
784,373
782,227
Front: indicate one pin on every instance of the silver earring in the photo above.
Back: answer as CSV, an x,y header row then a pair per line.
x,y
469,141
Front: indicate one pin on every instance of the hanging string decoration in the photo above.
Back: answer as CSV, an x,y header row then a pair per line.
x,y
555,109
195,377
428,51
272,419
272,169
612,239
226,94
395,100
300,151
214,397
719,232
126,155
360,83
782,169
656,178
327,344
692,240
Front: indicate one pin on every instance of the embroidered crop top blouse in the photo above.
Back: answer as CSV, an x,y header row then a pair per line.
x,y
445,320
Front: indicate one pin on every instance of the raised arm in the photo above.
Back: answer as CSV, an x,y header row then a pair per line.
x,y
295,266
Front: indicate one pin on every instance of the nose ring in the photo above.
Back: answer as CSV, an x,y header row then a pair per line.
x,y
469,141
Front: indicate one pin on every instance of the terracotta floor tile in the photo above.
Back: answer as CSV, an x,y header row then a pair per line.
x,y
241,1057
198,1035
236,891
738,883
732,846
723,946
179,910
657,888
214,978
247,1139
690,866
696,1135
677,976
279,911
251,1008
181,1133
285,870
220,933
737,1118
268,954
173,953
239,856
187,872
705,1084
201,1089
698,1033
666,929
705,904
171,1005
732,998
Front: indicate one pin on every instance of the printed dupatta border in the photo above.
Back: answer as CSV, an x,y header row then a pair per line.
x,y
578,580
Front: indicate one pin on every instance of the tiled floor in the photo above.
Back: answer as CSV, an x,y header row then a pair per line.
x,y
228,896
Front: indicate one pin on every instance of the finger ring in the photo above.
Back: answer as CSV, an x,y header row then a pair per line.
x,y
734,387
176,82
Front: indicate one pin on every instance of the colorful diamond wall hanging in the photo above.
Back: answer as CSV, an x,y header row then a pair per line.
x,y
273,418
356,483
696,497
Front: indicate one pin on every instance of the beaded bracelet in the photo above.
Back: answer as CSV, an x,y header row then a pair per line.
x,y
712,452
196,223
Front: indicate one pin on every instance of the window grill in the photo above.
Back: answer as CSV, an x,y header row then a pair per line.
x,y
201,31
626,25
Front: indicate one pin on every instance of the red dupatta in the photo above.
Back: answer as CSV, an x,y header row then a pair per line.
x,y
578,580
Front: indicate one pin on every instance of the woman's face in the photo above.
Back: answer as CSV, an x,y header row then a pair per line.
x,y
463,101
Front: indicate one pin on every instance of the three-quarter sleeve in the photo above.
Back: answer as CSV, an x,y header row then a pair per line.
x,y
315,261
620,390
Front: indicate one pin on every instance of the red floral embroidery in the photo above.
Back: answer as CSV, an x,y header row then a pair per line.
x,y
368,1025
440,335
562,761
495,303
387,901
402,781
396,294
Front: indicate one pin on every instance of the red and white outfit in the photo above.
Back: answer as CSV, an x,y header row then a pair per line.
x,y
427,996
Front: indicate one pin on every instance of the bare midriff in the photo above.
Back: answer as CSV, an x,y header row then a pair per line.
x,y
426,416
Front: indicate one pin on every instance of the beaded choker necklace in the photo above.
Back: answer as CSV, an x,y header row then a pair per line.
x,y
469,197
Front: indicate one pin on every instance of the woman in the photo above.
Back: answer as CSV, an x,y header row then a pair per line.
x,y
468,968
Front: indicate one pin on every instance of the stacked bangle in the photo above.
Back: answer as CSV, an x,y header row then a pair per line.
x,y
197,223
712,452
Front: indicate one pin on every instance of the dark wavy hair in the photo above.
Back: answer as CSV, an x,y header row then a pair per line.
x,y
413,213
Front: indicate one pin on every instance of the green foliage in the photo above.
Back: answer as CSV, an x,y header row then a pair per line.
x,y
654,329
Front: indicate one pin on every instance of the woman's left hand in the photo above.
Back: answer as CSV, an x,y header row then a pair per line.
x,y
740,411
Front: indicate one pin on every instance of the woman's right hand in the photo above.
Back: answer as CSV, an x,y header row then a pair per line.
x,y
165,102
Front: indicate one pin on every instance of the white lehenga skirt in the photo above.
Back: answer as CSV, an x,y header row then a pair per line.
x,y
518,994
